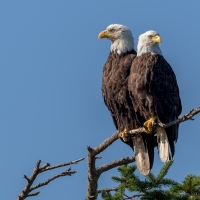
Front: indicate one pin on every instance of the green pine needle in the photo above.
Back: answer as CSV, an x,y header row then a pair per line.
x,y
153,187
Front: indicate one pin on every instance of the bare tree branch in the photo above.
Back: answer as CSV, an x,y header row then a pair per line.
x,y
68,172
63,164
26,192
106,143
94,173
181,119
184,118
116,163
93,176
33,194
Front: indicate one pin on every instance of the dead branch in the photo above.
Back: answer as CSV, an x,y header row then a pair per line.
x,y
181,119
63,164
26,192
94,173
67,172
106,143
116,163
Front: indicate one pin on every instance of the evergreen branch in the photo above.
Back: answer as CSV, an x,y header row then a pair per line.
x,y
134,196
107,190
149,189
164,170
151,177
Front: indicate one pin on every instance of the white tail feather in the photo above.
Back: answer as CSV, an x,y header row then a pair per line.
x,y
163,144
141,155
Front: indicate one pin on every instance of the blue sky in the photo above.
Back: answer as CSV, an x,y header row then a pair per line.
x,y
51,105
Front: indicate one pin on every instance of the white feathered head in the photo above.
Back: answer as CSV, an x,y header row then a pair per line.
x,y
148,42
120,37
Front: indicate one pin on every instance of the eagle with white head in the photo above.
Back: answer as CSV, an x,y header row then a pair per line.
x,y
116,96
154,94
115,76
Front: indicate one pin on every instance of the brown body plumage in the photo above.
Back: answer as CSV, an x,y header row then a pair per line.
x,y
115,76
115,89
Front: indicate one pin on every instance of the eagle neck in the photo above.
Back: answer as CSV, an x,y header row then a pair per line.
x,y
122,45
148,48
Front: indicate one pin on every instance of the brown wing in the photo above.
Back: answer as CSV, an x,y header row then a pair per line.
x,y
162,83
115,90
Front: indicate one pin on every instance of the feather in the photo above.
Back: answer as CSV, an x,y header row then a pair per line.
x,y
141,155
163,144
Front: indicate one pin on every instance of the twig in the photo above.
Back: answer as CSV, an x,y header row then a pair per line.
x,y
94,173
26,192
115,189
107,190
116,163
63,164
33,194
98,157
106,143
65,173
185,117
181,119
135,195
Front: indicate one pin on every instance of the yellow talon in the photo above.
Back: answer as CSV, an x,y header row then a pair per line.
x,y
149,125
124,135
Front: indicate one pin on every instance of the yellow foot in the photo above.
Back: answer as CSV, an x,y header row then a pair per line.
x,y
124,135
149,125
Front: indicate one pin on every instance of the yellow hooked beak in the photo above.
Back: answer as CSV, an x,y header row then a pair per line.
x,y
156,38
104,34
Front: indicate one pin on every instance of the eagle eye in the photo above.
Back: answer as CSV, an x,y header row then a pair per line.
x,y
150,36
112,30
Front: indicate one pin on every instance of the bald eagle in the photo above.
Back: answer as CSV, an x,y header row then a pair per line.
x,y
115,92
154,93
115,76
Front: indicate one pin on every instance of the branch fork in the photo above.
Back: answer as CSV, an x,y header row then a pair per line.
x,y
94,173
27,191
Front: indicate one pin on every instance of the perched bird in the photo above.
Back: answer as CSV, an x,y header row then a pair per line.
x,y
115,78
115,90
154,93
